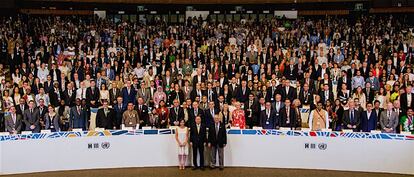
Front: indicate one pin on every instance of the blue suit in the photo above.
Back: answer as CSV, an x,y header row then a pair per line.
x,y
77,120
368,124
118,114
129,98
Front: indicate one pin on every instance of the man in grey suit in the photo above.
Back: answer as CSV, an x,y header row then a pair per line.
x,y
13,121
144,93
389,120
31,118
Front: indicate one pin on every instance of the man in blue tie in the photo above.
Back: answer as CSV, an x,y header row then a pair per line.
x,y
351,118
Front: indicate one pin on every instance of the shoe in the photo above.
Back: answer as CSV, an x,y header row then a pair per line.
x,y
195,168
212,167
221,168
202,169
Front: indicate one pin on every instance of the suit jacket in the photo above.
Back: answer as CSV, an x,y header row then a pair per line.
x,y
368,124
32,119
306,99
118,113
370,97
143,115
209,118
322,95
78,120
56,122
19,110
268,122
10,125
292,118
242,97
129,98
290,74
404,101
92,96
291,95
218,139
198,138
391,122
347,119
69,100
176,116
193,115
113,96
103,121
145,95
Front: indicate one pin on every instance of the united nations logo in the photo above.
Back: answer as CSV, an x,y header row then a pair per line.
x,y
322,146
105,145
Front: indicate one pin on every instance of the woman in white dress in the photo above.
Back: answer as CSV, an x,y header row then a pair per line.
x,y
181,136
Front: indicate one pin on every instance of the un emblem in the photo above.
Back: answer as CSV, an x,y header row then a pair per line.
x,y
105,145
322,146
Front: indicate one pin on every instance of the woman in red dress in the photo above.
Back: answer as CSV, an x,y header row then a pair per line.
x,y
238,118
162,113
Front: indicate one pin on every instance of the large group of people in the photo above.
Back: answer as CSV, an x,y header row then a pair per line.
x,y
65,73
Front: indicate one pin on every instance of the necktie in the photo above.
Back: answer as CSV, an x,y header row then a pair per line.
x,y
31,111
352,115
217,128
82,93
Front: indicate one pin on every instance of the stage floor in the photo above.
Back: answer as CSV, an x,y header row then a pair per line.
x,y
228,172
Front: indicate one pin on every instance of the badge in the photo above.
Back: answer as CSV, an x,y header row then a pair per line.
x,y
277,114
130,123
267,123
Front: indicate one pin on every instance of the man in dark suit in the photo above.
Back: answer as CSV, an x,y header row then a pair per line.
x,y
369,93
305,95
78,116
217,140
114,93
42,112
251,111
209,114
13,121
288,92
407,99
344,79
288,116
176,113
271,92
31,118
368,119
69,95
142,111
92,95
119,110
198,140
291,72
129,94
351,117
326,94
268,118
243,92
198,78
21,107
105,117
196,111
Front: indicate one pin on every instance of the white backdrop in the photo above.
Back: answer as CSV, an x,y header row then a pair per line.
x,y
196,14
370,155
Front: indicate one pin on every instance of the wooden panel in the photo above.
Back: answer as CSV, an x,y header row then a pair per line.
x,y
56,12
322,12
392,10
201,1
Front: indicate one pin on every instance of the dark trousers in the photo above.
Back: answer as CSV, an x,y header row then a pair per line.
x,y
199,149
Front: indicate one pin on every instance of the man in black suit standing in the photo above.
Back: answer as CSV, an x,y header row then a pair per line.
x,y
217,140
92,95
31,118
176,113
352,117
142,112
196,111
288,116
119,110
105,117
288,92
198,140
242,92
251,111
407,99
369,93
